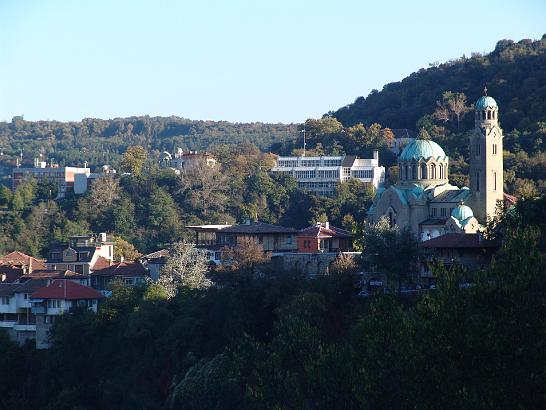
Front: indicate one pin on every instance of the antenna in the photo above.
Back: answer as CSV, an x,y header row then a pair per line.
x,y
304,143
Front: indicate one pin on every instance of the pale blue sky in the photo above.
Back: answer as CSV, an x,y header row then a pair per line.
x,y
238,60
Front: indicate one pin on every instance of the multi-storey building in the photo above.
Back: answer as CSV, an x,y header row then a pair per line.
x,y
322,174
82,254
63,176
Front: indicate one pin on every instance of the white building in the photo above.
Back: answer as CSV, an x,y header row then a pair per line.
x,y
184,160
322,174
63,176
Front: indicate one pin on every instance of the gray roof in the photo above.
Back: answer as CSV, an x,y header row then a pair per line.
x,y
348,160
257,228
453,196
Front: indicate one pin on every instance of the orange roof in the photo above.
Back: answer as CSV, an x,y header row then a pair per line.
x,y
101,263
321,232
17,258
66,289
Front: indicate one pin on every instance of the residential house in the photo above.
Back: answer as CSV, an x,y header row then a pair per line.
x,y
322,237
82,254
153,262
185,160
55,299
472,251
273,238
131,273
207,241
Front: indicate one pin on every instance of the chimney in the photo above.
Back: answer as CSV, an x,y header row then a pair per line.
x,y
376,155
121,259
327,225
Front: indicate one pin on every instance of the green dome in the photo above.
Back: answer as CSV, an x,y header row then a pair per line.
x,y
485,102
462,212
419,149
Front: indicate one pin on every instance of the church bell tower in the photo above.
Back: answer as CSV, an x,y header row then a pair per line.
x,y
486,167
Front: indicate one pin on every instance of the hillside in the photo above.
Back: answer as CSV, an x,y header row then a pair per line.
x,y
99,141
514,73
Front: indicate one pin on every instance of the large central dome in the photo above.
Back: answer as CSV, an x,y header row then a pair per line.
x,y
422,149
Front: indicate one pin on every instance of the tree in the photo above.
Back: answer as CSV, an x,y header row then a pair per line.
x,y
125,250
392,251
205,187
451,105
163,215
124,218
133,160
185,268
246,254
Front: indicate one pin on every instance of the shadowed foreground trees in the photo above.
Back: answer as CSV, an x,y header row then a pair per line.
x,y
283,341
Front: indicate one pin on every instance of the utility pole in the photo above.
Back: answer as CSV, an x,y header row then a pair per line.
x,y
304,143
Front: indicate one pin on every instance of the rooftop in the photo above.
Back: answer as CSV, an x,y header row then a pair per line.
x,y
128,269
66,289
460,240
258,228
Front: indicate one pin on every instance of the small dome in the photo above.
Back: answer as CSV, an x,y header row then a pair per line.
x,y
422,149
462,212
485,102
165,155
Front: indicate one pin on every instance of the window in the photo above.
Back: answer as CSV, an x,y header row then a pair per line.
x,y
423,171
413,172
441,169
5,300
494,181
494,149
442,212
488,115
25,296
477,182
433,212
128,281
433,171
54,304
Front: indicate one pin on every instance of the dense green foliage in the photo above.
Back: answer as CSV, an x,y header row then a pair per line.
x,y
103,141
284,341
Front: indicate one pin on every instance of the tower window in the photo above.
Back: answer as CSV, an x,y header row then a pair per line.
x,y
433,171
494,181
488,115
433,211
414,172
442,212
423,171
494,149
477,182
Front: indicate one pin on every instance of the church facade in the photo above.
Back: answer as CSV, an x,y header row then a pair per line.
x,y
424,201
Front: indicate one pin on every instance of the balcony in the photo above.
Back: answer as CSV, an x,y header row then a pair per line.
x,y
39,310
25,327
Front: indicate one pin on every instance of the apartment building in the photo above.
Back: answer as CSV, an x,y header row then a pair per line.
x,y
321,175
63,176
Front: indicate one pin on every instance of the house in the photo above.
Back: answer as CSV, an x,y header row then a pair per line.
x,y
322,237
16,263
472,251
62,176
321,175
55,299
207,241
82,254
153,262
84,181
131,273
182,160
273,238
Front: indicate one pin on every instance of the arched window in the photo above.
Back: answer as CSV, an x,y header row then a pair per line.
x,y
488,115
441,169
494,114
408,172
424,171
433,171
413,172
483,115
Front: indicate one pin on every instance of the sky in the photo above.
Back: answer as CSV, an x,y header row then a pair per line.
x,y
235,60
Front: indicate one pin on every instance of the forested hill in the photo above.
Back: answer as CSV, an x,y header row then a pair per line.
x,y
515,74
99,141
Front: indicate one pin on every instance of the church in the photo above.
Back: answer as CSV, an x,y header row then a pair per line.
x,y
424,201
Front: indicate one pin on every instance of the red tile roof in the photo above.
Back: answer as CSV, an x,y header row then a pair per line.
x,y
101,263
162,253
127,269
321,232
17,258
12,273
459,240
66,289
